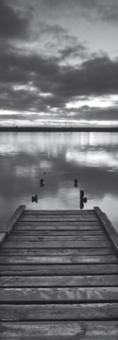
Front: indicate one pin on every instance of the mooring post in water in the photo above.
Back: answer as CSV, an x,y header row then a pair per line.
x,y
41,182
35,198
83,199
75,182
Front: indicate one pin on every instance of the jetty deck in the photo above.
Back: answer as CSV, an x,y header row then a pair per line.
x,y
59,276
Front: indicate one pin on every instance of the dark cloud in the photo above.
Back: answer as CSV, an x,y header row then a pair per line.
x,y
11,24
18,116
20,100
106,10
97,76
56,30
63,44
89,114
56,5
19,68
73,50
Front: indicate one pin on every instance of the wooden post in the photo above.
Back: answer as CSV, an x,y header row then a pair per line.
x,y
111,232
11,222
2,236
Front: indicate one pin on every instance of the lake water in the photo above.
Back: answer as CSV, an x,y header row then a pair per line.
x,y
58,158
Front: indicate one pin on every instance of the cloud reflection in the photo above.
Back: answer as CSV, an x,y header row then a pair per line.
x,y
58,158
101,159
54,143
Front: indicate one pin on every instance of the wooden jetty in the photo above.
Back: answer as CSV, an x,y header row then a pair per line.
x,y
59,276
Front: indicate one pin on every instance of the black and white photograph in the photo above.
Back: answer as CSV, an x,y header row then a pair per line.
x,y
59,169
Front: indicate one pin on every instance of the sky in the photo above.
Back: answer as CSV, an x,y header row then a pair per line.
x,y
59,62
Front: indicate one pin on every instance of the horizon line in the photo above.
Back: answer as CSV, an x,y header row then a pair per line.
x,y
34,128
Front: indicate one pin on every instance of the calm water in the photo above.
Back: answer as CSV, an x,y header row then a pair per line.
x,y
59,158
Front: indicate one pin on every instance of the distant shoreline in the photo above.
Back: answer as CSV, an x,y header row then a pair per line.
x,y
56,129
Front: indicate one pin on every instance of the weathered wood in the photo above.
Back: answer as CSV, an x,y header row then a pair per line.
x,y
60,281
55,216
58,212
55,294
58,266
57,227
81,311
58,259
56,244
59,330
57,222
2,237
63,269
11,222
57,251
67,224
71,219
56,233
59,238
113,235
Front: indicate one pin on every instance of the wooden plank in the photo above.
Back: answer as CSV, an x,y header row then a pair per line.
x,y
56,244
11,222
65,213
56,227
59,238
60,281
58,212
78,281
56,252
68,269
81,311
111,232
58,259
57,233
56,294
59,330
59,223
60,219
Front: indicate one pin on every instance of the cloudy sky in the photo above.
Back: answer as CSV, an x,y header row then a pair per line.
x,y
59,62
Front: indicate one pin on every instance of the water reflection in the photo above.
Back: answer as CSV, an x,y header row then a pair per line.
x,y
92,158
